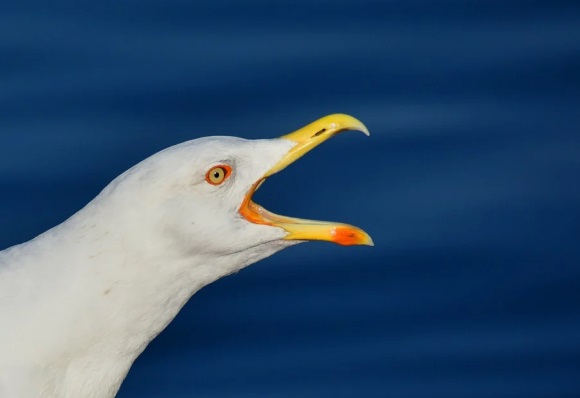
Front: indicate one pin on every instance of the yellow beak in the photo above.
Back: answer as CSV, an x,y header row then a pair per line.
x,y
306,139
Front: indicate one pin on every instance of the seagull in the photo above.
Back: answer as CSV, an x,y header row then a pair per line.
x,y
80,302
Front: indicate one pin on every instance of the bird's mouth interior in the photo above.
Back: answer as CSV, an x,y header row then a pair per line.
x,y
255,213
299,229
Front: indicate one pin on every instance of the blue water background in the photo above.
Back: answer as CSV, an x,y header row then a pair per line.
x,y
469,183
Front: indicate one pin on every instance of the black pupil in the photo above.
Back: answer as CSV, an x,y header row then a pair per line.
x,y
216,174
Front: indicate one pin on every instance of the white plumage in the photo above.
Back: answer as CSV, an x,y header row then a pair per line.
x,y
81,301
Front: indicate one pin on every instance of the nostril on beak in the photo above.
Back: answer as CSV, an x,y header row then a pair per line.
x,y
318,133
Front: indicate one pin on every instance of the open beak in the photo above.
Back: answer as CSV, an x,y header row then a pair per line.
x,y
306,139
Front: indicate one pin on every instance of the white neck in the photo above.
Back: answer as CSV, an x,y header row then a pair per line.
x,y
75,321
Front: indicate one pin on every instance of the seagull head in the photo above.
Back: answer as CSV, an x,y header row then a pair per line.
x,y
197,196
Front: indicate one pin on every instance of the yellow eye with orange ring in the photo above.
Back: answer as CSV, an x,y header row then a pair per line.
x,y
218,174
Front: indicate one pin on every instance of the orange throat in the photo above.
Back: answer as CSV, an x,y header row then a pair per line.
x,y
301,229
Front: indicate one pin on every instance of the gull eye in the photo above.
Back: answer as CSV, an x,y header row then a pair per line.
x,y
217,175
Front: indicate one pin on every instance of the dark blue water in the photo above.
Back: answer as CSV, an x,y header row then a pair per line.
x,y
469,183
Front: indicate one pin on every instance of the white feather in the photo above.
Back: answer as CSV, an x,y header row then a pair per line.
x,y
80,302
